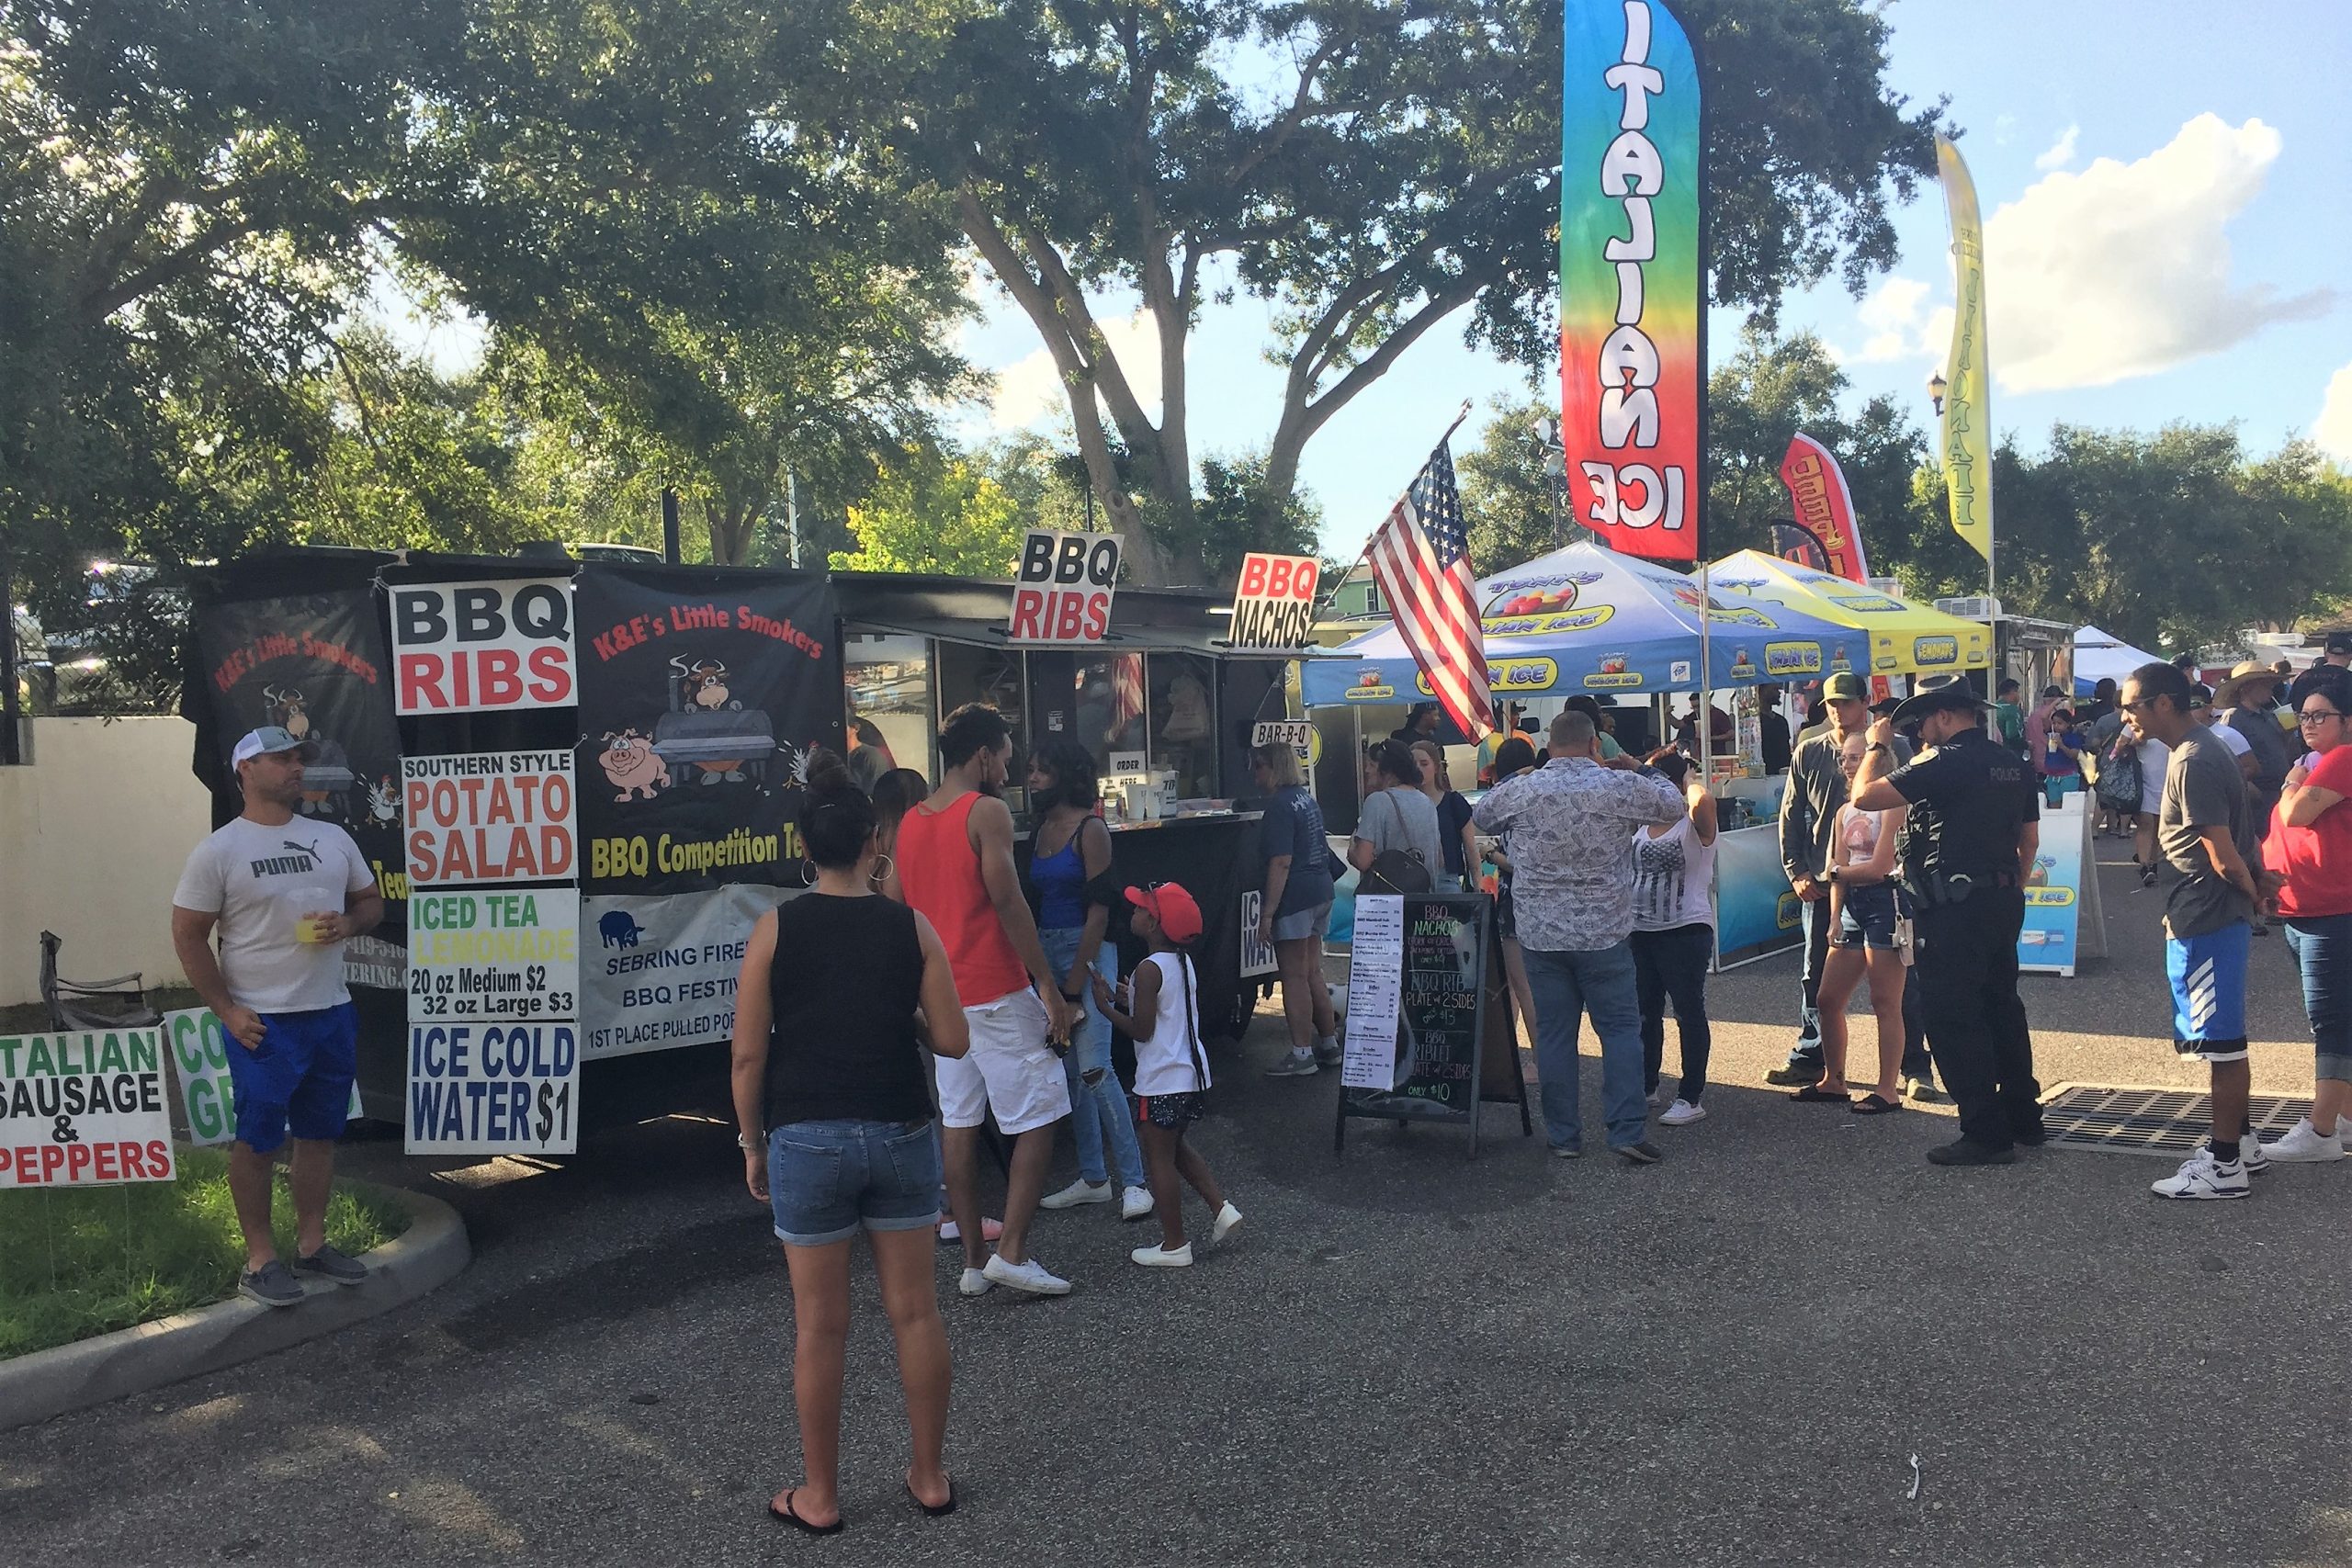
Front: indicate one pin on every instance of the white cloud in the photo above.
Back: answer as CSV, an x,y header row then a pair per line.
x,y
1901,326
2061,152
1029,389
2124,269
2332,428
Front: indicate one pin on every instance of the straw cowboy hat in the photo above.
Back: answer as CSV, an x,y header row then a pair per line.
x,y
2248,673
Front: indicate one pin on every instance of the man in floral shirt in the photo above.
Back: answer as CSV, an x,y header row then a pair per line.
x,y
1571,824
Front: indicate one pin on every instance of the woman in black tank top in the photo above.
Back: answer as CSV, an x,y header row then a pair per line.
x,y
836,987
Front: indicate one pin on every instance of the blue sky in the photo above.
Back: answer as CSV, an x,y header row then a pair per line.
x,y
2168,189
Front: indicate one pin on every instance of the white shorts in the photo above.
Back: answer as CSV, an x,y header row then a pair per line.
x,y
1007,1070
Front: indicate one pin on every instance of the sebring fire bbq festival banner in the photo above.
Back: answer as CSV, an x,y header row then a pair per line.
x,y
1633,327
703,694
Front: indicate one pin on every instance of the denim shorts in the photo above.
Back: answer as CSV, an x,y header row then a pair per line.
x,y
1867,916
826,1180
1305,923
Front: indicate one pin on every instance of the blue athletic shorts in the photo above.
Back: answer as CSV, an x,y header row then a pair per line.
x,y
2207,974
300,1076
827,1179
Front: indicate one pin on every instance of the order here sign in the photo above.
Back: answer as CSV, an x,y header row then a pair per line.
x,y
482,647
490,816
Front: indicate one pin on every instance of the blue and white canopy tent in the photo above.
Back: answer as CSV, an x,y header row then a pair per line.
x,y
1587,619
2103,655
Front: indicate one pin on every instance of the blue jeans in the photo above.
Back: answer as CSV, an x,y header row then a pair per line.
x,y
1566,986
2323,947
1097,1109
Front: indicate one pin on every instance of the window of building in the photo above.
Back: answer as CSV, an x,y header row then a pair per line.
x,y
891,721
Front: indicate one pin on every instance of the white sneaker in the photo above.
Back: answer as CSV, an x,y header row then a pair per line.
x,y
974,1283
1134,1203
1077,1192
1681,1113
2251,1153
2303,1147
1160,1257
2201,1177
1222,1227
1031,1277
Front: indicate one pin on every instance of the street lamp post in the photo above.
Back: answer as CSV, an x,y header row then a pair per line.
x,y
1546,431
1935,387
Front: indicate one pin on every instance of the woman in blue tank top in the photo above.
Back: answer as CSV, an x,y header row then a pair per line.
x,y
1070,848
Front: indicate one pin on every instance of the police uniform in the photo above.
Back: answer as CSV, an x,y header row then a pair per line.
x,y
1970,799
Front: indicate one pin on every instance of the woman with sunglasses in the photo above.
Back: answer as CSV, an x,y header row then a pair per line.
x,y
2309,856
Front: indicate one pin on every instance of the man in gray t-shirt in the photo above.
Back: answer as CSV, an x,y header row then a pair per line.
x,y
2205,828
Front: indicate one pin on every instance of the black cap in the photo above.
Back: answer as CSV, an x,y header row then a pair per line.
x,y
2339,642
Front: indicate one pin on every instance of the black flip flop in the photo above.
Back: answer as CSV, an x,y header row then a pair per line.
x,y
1814,1094
786,1515
1874,1105
942,1509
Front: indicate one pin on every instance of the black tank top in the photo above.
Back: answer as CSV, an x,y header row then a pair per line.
x,y
845,982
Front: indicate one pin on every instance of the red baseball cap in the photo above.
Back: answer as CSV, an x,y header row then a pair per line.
x,y
1175,909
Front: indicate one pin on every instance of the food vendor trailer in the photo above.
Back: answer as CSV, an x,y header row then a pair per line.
x,y
684,703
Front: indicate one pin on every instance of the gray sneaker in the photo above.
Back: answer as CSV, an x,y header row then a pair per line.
x,y
273,1284
326,1263
1329,1055
1294,1064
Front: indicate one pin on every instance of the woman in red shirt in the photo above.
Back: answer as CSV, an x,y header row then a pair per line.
x,y
2310,850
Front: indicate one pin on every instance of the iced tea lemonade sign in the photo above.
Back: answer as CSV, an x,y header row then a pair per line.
x,y
493,1088
482,647
483,954
482,816
84,1110
1061,591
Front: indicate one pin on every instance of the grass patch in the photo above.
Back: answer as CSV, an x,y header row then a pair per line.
x,y
76,1261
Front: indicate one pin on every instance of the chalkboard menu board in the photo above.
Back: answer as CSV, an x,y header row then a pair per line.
x,y
1420,976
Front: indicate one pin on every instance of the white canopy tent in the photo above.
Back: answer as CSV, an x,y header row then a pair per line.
x,y
2100,656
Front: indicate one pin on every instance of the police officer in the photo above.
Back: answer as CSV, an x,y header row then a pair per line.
x,y
1966,849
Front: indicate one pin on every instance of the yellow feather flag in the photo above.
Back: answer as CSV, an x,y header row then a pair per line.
x,y
1968,394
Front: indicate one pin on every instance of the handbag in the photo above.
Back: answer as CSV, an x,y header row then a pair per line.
x,y
1395,871
2119,776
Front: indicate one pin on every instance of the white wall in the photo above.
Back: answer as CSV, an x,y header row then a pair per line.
x,y
93,835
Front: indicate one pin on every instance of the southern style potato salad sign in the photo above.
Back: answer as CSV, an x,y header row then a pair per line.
x,y
1062,587
1631,329
84,1110
484,647
479,817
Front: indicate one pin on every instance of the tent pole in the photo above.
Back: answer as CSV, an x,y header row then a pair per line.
x,y
1704,718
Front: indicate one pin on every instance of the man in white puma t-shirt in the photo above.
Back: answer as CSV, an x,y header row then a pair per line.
x,y
283,894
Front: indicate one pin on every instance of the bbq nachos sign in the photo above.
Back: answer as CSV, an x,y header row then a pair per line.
x,y
84,1110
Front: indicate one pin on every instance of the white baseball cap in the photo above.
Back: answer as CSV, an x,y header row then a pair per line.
x,y
267,740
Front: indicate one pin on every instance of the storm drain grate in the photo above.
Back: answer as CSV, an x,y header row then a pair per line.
x,y
2136,1120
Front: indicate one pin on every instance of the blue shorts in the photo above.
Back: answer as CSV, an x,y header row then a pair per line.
x,y
2208,976
300,1076
1867,916
826,1180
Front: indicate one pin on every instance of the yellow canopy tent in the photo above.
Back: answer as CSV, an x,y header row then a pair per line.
x,y
1893,636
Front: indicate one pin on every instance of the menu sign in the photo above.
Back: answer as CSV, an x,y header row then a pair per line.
x,y
1419,983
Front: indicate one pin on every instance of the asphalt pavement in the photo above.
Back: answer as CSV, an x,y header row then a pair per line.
x,y
1792,1342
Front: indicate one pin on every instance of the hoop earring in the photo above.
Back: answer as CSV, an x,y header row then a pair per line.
x,y
883,866
808,873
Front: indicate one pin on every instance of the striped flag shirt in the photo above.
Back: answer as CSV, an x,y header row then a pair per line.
x,y
1421,557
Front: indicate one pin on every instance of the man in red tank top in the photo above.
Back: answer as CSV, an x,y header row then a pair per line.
x,y
954,861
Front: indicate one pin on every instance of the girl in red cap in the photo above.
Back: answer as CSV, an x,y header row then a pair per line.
x,y
1163,1017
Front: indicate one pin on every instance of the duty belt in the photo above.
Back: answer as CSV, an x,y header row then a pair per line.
x,y
1947,889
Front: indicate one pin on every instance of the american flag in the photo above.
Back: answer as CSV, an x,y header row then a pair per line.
x,y
1422,557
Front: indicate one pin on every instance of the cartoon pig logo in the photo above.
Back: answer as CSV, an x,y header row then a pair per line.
x,y
630,763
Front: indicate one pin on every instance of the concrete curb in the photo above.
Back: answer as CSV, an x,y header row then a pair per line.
x,y
131,1360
